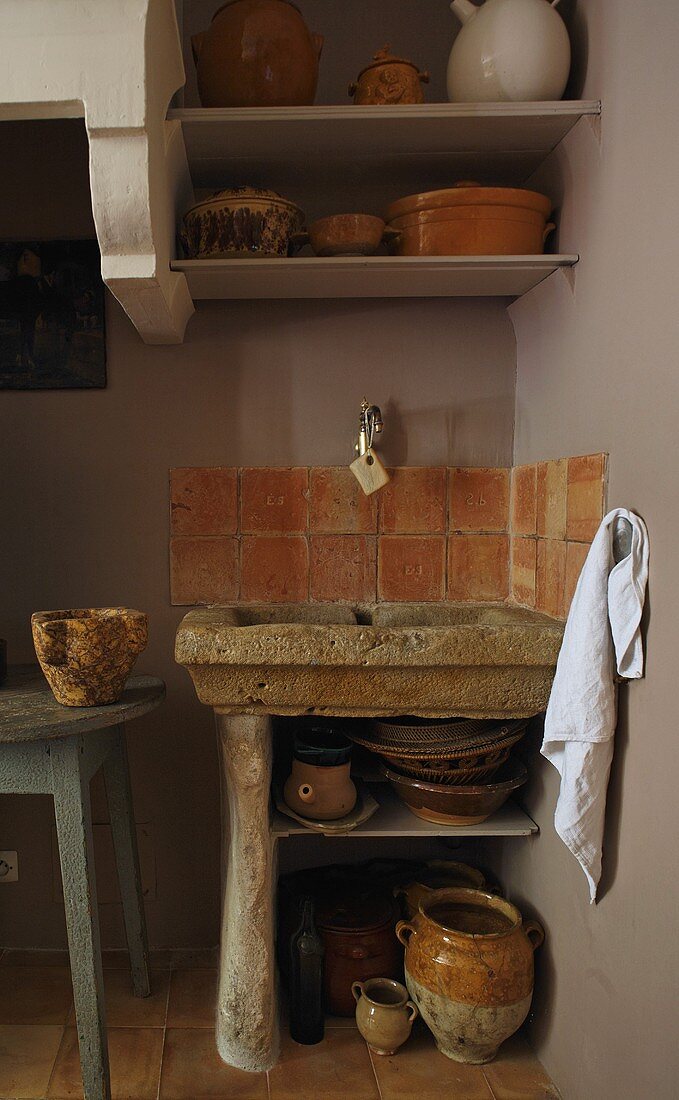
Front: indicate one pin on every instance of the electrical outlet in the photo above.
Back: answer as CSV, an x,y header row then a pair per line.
x,y
9,867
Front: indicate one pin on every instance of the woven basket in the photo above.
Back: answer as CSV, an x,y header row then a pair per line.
x,y
473,751
462,775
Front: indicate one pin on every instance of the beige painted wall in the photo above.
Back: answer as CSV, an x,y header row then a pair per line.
x,y
598,369
84,494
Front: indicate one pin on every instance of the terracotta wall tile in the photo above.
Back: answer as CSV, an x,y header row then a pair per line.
x,y
414,501
478,567
479,499
551,576
343,567
204,501
338,505
585,506
551,498
274,569
576,553
524,500
522,571
273,500
203,570
411,569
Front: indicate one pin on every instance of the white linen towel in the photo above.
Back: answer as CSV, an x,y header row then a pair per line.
x,y
602,633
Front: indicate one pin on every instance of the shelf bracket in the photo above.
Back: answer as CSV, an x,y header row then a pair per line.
x,y
118,66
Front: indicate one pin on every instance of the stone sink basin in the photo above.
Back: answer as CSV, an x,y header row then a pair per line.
x,y
252,662
471,660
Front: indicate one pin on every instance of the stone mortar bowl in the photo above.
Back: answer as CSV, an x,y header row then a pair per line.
x,y
87,654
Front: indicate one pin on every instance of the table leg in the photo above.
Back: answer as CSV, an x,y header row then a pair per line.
x,y
74,831
121,812
247,1018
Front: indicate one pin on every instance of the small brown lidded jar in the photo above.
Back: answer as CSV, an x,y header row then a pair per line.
x,y
389,80
359,941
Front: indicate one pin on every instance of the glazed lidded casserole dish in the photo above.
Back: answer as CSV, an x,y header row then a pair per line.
x,y
388,79
470,220
241,221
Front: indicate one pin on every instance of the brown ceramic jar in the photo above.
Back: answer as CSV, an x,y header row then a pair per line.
x,y
359,941
469,970
389,80
257,53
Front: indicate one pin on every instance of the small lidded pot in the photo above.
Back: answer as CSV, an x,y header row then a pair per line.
x,y
319,785
389,80
384,1015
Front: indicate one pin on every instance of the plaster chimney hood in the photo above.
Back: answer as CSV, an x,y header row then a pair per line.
x,y
117,65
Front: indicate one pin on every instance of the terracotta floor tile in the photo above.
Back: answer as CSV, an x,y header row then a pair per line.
x,y
27,1055
203,570
123,1009
274,569
135,1054
274,499
35,995
414,501
516,1074
204,501
551,498
479,499
338,505
411,568
585,505
420,1072
193,1070
193,998
339,1068
16,956
524,500
343,567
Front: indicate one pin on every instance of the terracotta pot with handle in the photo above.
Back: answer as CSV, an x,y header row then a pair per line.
x,y
470,220
257,53
469,970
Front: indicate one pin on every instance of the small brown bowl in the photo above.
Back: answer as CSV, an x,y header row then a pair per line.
x,y
448,804
346,235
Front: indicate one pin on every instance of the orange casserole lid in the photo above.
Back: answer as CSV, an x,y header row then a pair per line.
x,y
467,193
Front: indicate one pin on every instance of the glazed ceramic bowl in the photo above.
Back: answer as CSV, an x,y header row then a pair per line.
x,y
241,222
448,804
470,220
346,235
88,653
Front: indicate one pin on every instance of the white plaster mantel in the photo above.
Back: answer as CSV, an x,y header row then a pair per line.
x,y
115,63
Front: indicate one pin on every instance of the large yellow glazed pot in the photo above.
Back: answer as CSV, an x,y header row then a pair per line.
x,y
469,970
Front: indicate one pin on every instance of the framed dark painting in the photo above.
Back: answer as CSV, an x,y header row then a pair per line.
x,y
51,316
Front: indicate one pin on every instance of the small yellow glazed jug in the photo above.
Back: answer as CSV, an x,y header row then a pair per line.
x,y
384,1015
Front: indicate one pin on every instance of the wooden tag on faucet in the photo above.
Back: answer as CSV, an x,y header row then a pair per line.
x,y
369,472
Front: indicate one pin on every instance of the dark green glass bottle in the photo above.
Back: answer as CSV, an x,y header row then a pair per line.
x,y
306,979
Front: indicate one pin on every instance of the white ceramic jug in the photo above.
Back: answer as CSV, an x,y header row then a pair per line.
x,y
516,50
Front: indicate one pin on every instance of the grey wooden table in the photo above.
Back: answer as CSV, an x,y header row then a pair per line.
x,y
46,748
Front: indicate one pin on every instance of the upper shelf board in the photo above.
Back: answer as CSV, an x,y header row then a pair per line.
x,y
488,140
369,277
395,819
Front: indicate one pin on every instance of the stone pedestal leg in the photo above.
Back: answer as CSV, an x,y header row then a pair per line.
x,y
247,1029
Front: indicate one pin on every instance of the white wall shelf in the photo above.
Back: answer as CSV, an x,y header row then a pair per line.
x,y
434,142
369,277
395,819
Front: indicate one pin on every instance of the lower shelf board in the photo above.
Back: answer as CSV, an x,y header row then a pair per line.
x,y
369,276
395,819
